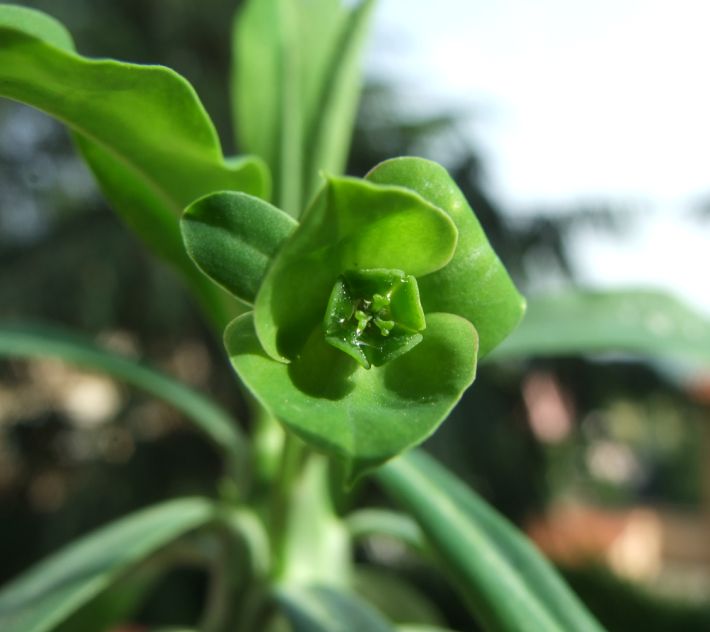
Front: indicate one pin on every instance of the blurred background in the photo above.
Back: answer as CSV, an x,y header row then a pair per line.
x,y
578,132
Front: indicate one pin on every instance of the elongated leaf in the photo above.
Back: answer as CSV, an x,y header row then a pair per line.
x,y
142,130
266,93
399,526
151,216
399,600
331,119
147,116
507,582
41,342
327,609
60,585
295,85
232,238
360,416
640,322
414,627
475,284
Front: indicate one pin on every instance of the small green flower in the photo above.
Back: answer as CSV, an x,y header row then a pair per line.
x,y
369,315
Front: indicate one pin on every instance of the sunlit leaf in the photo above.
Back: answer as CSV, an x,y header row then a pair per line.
x,y
352,225
361,416
142,130
475,284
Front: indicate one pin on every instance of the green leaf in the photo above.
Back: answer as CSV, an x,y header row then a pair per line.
x,y
151,216
115,606
295,84
507,582
60,585
361,416
266,93
142,130
36,24
415,627
351,225
40,342
331,118
327,609
232,238
475,284
648,323
397,599
383,522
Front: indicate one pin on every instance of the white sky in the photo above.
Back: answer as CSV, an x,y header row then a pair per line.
x,y
575,101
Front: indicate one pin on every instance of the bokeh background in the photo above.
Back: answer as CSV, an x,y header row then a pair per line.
x,y
578,132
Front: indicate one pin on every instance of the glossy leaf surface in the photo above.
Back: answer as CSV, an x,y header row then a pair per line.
x,y
232,237
42,342
475,284
353,225
361,416
639,322
328,609
508,584
60,585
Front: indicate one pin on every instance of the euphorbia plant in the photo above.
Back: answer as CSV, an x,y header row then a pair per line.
x,y
366,326
359,308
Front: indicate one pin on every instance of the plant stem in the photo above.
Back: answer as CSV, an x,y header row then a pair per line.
x,y
293,453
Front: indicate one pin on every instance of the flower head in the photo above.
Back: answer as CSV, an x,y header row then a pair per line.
x,y
369,318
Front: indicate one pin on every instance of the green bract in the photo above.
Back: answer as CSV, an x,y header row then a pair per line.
x,y
366,324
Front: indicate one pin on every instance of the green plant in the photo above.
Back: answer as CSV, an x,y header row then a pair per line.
x,y
356,311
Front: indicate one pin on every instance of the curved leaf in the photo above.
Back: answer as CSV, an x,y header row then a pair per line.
x,y
361,416
37,24
60,585
398,599
352,225
147,116
142,130
640,322
328,609
475,284
149,214
368,522
41,342
232,238
507,582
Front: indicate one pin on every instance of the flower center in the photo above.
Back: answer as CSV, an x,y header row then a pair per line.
x,y
374,315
